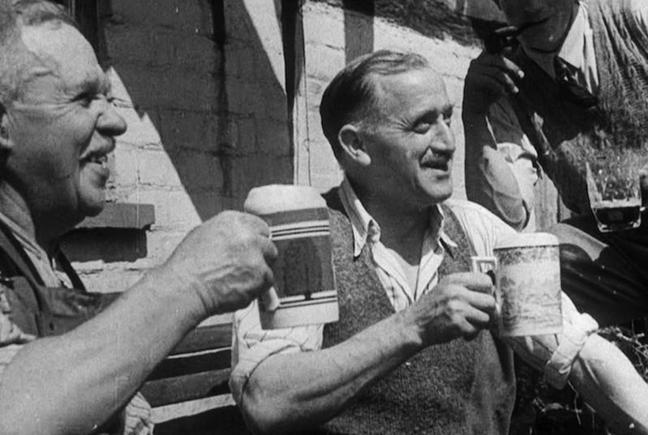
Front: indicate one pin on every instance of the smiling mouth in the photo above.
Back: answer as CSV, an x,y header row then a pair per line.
x,y
99,159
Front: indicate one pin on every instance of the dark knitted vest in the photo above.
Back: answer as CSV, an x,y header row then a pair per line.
x,y
620,119
455,388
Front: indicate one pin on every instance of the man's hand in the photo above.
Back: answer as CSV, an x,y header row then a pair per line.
x,y
489,77
461,305
229,257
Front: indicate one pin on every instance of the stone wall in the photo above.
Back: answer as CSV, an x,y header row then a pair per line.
x,y
201,88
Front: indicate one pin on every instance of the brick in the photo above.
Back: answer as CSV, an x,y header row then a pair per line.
x,y
241,59
259,170
323,62
323,25
247,134
191,16
198,170
141,130
126,165
130,43
237,21
172,88
273,137
173,208
156,168
195,52
188,129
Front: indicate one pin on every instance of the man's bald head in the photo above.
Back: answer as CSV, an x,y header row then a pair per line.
x,y
16,60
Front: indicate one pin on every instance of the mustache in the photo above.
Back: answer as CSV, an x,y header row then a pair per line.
x,y
437,158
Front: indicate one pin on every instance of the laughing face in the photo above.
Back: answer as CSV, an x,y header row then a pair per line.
x,y
61,127
545,22
410,144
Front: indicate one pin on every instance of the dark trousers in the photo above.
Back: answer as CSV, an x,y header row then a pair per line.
x,y
605,274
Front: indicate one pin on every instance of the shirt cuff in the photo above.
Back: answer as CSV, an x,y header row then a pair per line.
x,y
572,340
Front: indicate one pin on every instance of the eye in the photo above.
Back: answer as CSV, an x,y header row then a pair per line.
x,y
422,126
85,98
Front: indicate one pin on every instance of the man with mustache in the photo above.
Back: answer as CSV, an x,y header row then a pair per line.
x,y
577,81
57,125
412,352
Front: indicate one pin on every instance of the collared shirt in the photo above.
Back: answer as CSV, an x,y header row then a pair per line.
x,y
137,414
252,345
577,50
366,231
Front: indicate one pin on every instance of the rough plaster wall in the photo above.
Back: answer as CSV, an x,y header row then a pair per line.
x,y
205,122
325,55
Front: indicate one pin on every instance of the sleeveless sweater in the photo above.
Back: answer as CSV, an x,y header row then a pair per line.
x,y
458,387
620,118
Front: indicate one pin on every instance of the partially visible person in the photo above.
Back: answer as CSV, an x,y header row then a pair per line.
x,y
61,373
579,79
412,351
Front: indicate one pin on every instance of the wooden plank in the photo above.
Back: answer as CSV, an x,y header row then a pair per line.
x,y
180,365
220,421
205,338
122,215
182,388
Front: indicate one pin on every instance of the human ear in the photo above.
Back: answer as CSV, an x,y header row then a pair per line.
x,y
353,145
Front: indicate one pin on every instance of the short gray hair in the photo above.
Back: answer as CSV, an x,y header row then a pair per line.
x,y
15,58
351,95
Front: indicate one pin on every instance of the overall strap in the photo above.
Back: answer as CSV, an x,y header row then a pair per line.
x,y
17,255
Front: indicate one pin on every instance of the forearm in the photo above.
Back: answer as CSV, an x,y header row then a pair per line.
x,y
490,180
74,382
611,385
304,390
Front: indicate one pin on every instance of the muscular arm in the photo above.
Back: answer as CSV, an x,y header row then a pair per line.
x,y
301,390
98,366
305,389
74,382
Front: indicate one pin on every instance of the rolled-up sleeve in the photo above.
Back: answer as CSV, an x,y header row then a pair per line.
x,y
554,354
252,345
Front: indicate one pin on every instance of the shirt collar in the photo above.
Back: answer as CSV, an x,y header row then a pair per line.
x,y
366,229
572,50
573,47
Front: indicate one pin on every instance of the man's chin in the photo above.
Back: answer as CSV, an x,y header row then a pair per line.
x,y
92,208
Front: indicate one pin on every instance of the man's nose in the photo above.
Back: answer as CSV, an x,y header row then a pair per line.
x,y
111,123
444,137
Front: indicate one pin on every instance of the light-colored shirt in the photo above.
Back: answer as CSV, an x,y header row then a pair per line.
x,y
366,231
252,345
137,414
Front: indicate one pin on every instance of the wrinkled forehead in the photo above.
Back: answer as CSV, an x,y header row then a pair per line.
x,y
414,90
61,52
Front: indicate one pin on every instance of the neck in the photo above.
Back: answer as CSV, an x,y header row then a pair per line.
x,y
15,208
402,226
